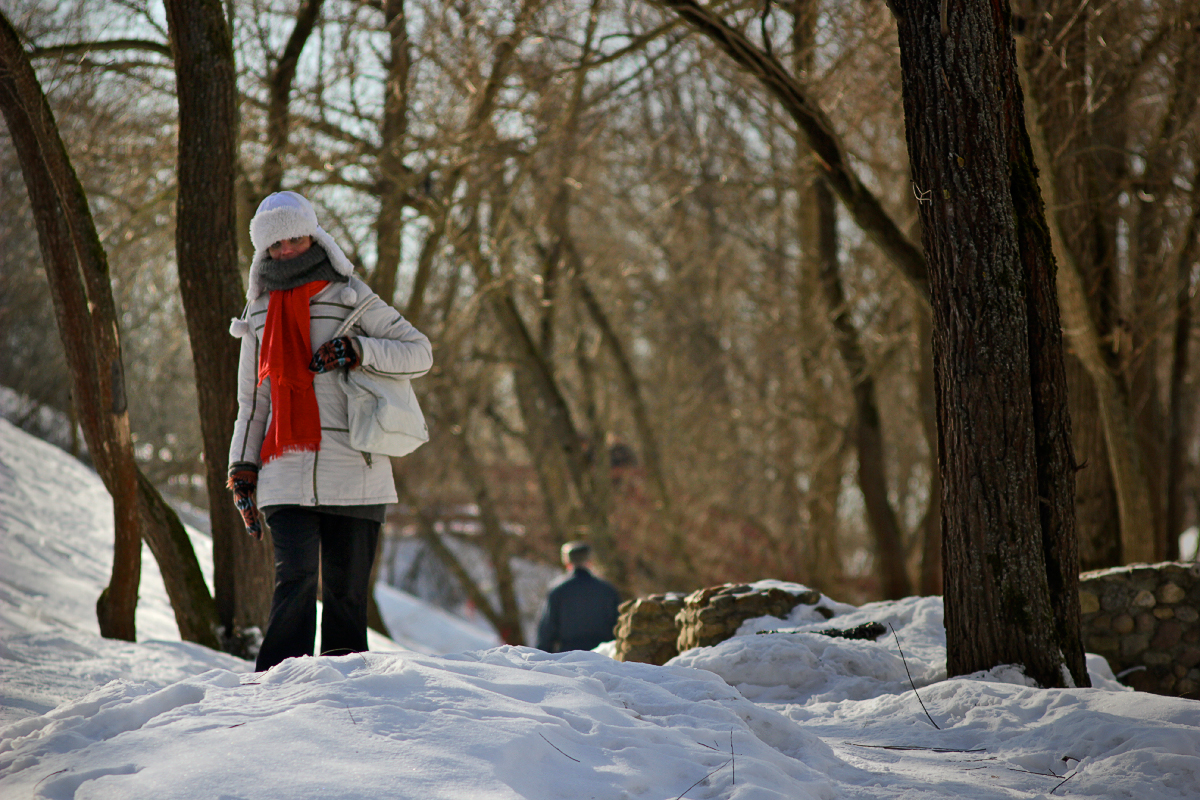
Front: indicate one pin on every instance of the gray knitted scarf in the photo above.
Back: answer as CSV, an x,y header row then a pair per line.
x,y
311,265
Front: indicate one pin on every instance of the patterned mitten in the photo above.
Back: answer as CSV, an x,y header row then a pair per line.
x,y
243,480
339,352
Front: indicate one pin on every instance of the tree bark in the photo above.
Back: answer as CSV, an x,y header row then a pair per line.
x,y
1011,571
206,253
931,523
77,269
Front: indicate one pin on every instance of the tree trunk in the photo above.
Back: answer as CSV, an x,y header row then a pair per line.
x,y
931,523
77,269
280,91
495,537
503,625
1181,404
195,610
206,252
1011,571
890,567
393,129
1082,183
1130,481
1162,429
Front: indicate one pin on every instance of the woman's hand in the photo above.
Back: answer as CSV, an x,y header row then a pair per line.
x,y
340,352
243,480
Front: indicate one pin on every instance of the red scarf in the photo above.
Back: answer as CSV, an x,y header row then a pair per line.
x,y
286,351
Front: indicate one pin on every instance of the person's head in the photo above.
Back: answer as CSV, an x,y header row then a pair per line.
x,y
576,554
285,226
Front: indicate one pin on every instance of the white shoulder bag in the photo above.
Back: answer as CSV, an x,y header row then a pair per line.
x,y
383,411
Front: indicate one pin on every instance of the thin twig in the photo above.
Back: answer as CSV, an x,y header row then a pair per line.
x,y
1064,780
702,780
910,678
51,775
576,760
731,758
914,747
1033,772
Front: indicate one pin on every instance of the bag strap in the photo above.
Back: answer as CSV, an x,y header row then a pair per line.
x,y
353,317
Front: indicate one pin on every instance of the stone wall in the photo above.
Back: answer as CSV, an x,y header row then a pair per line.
x,y
646,630
655,629
1145,619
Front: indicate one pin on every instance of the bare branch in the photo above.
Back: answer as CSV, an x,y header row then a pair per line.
x,y
109,46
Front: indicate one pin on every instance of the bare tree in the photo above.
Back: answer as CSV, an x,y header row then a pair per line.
x,y
78,270
77,266
206,253
1004,433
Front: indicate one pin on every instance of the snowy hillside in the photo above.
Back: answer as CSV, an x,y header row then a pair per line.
x,y
791,715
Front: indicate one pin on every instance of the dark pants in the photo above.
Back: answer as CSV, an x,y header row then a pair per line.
x,y
344,547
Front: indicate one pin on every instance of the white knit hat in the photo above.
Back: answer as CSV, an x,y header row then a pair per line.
x,y
286,215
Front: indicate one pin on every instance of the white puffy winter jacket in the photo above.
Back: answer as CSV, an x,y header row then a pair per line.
x,y
336,474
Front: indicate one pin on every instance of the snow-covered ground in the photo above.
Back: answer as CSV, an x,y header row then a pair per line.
x,y
442,713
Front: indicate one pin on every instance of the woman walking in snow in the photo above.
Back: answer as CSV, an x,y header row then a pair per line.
x,y
290,461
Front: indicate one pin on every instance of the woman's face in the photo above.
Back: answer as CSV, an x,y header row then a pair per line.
x,y
289,248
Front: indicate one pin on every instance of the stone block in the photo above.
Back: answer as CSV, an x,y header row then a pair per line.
x,y
1122,624
1163,612
1134,644
711,615
646,629
1114,599
1189,658
1156,658
1144,580
1144,599
1088,602
1186,614
1169,634
1145,623
1170,593
1107,646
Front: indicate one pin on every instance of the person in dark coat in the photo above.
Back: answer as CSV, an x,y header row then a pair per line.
x,y
580,611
